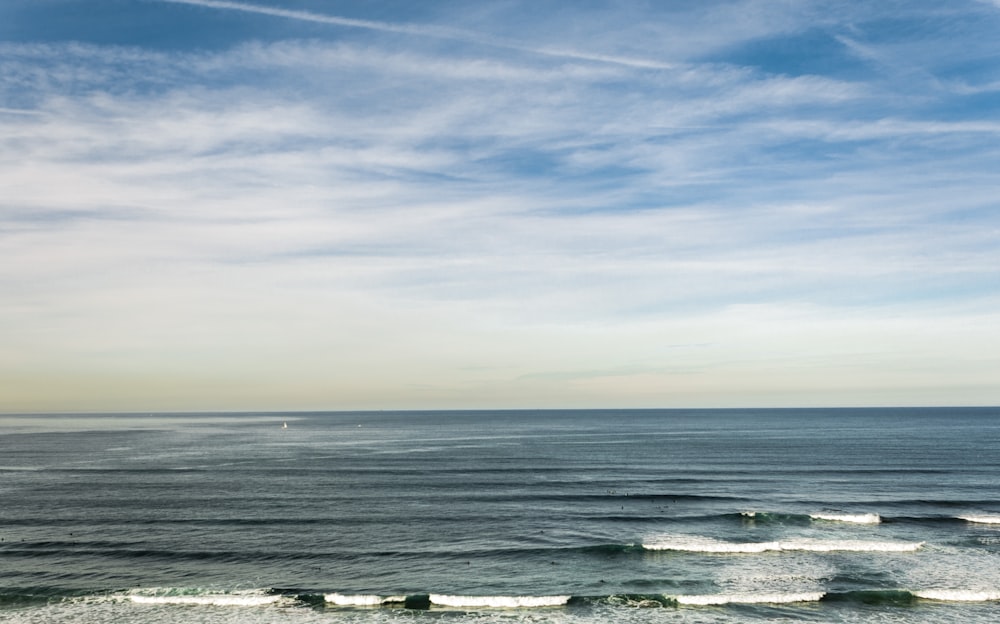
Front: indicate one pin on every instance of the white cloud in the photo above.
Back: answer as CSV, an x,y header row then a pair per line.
x,y
304,224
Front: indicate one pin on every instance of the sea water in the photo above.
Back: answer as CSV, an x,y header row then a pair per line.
x,y
854,515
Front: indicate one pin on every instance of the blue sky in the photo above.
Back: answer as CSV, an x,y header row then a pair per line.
x,y
216,205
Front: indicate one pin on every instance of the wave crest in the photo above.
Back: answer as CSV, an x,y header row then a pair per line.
x,y
254,598
723,599
866,518
708,545
500,602
362,600
958,595
982,519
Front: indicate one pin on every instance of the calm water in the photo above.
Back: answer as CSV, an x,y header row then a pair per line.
x,y
889,515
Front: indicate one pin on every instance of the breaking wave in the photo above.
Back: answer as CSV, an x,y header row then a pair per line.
x,y
499,602
982,519
866,518
826,516
426,601
252,598
713,546
362,600
958,595
748,598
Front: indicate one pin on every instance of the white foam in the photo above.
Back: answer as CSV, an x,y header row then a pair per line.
x,y
868,518
958,595
221,600
982,519
723,599
708,545
503,602
850,545
361,600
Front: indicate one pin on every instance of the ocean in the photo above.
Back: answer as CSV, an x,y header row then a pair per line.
x,y
455,517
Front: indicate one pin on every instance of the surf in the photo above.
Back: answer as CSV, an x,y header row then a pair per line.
x,y
982,519
251,598
865,518
707,545
748,598
825,516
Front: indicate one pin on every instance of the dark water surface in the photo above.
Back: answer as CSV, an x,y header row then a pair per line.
x,y
530,516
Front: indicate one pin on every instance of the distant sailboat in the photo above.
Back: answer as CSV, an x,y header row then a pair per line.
x,y
284,425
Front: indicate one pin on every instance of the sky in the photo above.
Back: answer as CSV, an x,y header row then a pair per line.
x,y
385,204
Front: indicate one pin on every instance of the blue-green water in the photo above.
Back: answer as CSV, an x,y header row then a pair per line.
x,y
861,515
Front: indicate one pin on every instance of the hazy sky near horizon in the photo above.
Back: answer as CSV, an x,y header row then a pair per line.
x,y
382,204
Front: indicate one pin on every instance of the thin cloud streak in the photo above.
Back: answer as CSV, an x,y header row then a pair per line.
x,y
423,31
428,31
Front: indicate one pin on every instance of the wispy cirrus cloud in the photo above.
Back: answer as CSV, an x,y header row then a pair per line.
x,y
315,222
424,30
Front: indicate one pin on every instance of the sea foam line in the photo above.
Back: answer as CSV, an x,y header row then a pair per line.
x,y
362,600
447,600
982,519
867,518
219,600
503,602
828,516
708,545
958,595
723,599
